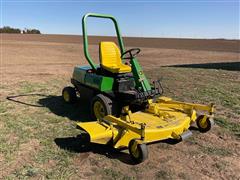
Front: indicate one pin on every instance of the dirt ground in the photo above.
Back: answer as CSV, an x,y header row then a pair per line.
x,y
35,68
34,56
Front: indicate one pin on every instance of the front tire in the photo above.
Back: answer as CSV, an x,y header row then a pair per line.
x,y
101,106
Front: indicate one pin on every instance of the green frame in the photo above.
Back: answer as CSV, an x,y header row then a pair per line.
x,y
85,36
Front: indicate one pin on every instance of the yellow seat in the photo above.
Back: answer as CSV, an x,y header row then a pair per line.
x,y
110,58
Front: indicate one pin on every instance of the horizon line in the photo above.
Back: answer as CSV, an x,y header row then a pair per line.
x,y
150,37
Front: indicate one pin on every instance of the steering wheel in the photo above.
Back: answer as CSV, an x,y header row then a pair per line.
x,y
132,53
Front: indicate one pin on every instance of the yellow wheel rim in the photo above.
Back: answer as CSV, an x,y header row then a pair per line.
x,y
203,123
66,96
99,110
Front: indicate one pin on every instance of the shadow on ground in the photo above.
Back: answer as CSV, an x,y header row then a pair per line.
x,y
81,144
230,66
79,111
18,99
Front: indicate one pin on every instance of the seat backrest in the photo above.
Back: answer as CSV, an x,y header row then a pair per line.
x,y
109,54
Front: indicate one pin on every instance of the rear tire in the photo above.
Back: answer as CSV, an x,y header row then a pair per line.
x,y
69,95
138,152
101,106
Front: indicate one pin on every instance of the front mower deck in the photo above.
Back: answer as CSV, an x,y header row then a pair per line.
x,y
162,120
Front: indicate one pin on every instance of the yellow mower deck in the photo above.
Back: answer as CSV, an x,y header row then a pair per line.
x,y
163,119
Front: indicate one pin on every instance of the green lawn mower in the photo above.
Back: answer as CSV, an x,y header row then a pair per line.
x,y
127,109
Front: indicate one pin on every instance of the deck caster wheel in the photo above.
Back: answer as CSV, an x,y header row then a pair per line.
x,y
69,95
204,125
138,152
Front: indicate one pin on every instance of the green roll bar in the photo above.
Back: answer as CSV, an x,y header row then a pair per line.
x,y
85,36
